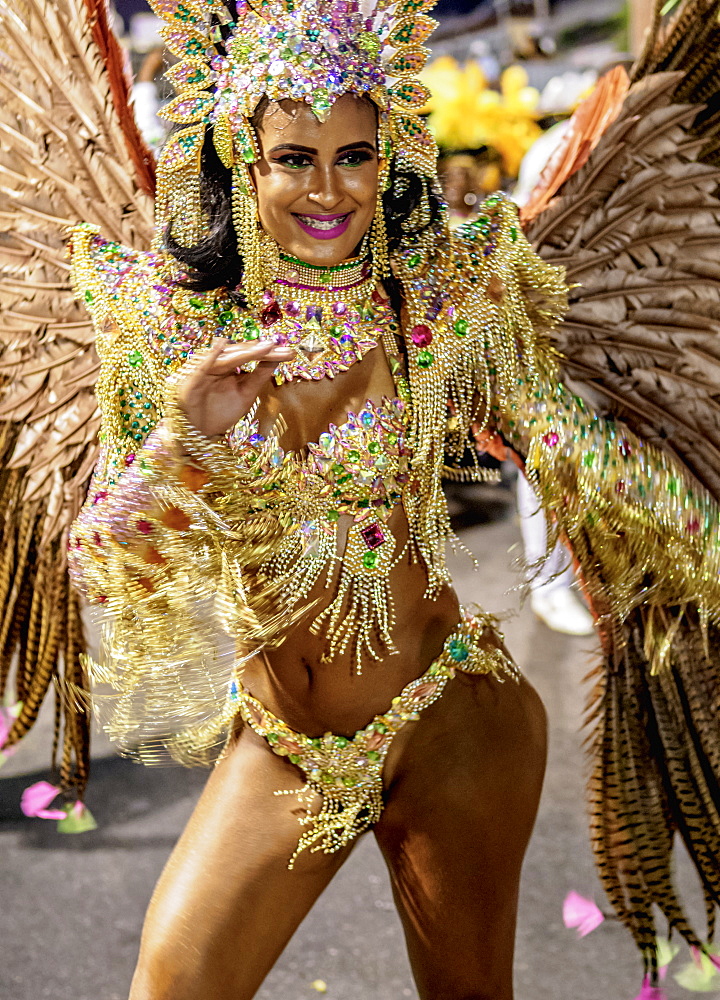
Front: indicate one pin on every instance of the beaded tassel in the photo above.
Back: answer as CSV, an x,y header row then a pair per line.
x,y
247,229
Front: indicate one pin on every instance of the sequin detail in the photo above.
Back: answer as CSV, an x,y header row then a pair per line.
x,y
346,772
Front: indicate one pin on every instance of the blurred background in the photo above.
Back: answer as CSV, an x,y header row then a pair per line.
x,y
505,78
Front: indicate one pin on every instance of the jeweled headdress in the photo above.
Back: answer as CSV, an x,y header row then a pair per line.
x,y
304,50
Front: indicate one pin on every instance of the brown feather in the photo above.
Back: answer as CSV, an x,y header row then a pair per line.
x,y
66,156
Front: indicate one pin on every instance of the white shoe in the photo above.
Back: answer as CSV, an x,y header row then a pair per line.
x,y
562,611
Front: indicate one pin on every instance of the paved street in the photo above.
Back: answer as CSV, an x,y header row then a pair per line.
x,y
71,907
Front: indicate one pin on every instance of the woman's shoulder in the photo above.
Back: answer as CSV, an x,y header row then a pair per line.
x,y
140,299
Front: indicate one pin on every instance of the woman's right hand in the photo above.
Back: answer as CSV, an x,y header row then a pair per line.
x,y
216,393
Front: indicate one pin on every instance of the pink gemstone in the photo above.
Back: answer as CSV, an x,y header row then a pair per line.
x,y
100,496
129,459
550,439
339,308
373,535
292,308
270,314
144,527
421,335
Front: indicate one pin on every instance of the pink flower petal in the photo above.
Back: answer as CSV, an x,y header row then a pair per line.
x,y
650,992
37,797
581,913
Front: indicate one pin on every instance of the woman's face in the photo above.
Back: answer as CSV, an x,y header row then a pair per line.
x,y
317,181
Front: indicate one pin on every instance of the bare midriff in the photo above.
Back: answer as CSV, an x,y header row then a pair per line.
x,y
295,681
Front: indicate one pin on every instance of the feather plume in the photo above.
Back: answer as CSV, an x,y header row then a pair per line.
x,y
63,159
637,227
120,84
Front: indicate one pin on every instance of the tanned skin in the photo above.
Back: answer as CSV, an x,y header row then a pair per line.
x,y
462,784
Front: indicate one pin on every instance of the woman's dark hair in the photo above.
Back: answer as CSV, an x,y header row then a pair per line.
x,y
214,262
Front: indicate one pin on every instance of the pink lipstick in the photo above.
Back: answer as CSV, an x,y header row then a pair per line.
x,y
323,227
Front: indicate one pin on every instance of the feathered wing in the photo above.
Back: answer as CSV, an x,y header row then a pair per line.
x,y
64,158
638,229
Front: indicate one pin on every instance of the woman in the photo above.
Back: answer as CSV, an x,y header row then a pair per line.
x,y
477,753
266,530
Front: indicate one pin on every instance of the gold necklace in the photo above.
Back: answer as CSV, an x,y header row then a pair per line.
x,y
332,315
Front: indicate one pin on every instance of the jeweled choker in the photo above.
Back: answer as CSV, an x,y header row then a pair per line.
x,y
313,277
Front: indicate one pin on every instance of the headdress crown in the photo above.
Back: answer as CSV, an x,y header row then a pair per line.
x,y
309,50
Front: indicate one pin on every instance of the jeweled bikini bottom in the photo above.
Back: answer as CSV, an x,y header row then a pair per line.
x,y
346,772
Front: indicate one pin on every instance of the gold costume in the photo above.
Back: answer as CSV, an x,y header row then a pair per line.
x,y
197,554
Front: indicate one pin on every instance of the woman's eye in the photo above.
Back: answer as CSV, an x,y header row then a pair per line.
x,y
355,157
294,160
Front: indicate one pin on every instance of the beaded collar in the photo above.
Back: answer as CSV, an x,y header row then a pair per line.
x,y
332,315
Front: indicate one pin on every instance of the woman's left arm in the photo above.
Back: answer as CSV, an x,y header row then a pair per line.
x,y
643,532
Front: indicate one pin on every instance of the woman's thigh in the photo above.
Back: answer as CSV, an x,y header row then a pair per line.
x,y
226,904
463,791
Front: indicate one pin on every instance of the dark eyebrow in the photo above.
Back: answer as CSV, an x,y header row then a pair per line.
x,y
309,149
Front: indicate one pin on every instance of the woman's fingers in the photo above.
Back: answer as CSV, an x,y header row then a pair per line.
x,y
230,356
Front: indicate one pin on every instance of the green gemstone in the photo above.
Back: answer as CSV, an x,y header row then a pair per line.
x,y
458,650
373,755
294,758
89,296
225,317
353,455
374,447
414,259
341,741
425,358
461,327
248,154
349,782
135,358
513,233
272,737
369,560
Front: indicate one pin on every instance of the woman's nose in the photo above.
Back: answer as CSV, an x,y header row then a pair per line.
x,y
326,191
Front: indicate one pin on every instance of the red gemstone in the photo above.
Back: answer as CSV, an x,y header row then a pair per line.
x,y
693,526
101,599
100,496
270,314
373,535
144,527
96,538
550,439
624,448
421,335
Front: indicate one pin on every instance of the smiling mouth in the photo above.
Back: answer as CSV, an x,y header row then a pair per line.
x,y
323,223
